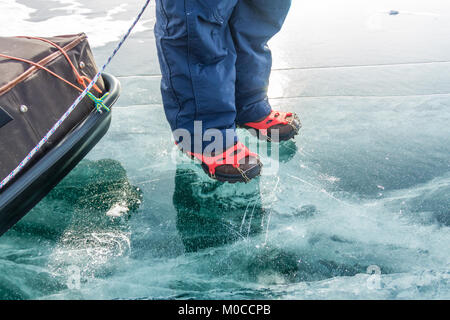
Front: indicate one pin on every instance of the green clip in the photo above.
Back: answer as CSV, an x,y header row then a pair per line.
x,y
99,103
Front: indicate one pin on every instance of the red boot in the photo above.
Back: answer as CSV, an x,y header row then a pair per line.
x,y
237,164
287,123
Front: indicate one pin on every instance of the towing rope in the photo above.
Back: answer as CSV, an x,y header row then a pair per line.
x,y
75,103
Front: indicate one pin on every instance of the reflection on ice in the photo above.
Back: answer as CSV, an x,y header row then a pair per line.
x,y
211,214
74,216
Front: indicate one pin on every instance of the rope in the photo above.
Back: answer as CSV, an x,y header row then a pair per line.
x,y
99,104
81,79
37,65
75,103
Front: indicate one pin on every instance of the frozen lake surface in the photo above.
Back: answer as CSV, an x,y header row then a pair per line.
x,y
364,189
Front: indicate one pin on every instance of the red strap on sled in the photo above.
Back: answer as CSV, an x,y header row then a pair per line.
x,y
232,156
80,79
274,118
37,65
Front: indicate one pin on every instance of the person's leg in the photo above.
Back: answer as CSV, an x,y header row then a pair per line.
x,y
197,59
253,24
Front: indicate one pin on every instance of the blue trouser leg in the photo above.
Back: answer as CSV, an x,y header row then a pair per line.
x,y
197,58
215,63
253,24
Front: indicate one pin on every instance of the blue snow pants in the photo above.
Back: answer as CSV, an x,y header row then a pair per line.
x,y
215,62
